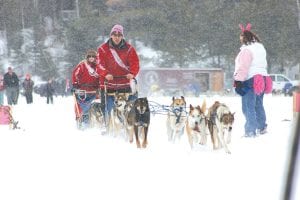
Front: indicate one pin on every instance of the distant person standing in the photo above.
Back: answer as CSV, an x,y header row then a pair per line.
x,y
67,87
49,91
11,84
1,90
28,88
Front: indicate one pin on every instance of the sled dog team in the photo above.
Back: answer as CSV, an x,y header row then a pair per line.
x,y
129,119
132,119
217,122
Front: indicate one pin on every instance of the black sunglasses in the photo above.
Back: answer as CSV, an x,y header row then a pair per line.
x,y
90,56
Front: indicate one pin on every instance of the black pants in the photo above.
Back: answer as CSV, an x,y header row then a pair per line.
x,y
29,98
49,99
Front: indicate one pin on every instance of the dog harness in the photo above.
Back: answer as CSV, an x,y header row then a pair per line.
x,y
177,112
141,119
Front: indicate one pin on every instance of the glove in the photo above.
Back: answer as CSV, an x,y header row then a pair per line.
x,y
76,85
238,84
241,87
73,90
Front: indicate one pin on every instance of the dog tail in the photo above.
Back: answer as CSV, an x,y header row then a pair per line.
x,y
203,107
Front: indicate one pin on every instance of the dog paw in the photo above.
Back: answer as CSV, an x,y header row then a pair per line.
x,y
144,144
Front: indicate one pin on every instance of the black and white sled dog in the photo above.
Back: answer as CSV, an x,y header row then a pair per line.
x,y
220,121
176,119
138,121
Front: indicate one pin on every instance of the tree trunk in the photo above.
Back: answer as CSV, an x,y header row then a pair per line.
x,y
298,6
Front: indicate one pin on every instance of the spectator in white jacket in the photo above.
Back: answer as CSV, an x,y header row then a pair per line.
x,y
251,81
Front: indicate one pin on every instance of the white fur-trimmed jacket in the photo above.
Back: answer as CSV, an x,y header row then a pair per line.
x,y
250,61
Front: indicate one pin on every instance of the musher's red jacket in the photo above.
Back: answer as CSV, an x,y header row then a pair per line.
x,y
109,65
86,76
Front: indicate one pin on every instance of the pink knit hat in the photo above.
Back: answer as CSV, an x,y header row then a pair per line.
x,y
117,29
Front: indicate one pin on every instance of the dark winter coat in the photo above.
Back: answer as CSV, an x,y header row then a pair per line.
x,y
28,85
11,80
49,89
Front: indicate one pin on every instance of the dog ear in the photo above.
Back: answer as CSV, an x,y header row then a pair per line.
x,y
191,107
203,107
183,99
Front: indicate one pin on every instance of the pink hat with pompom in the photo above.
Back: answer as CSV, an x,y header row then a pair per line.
x,y
117,29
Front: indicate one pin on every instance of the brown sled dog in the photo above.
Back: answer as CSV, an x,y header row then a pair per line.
x,y
220,121
138,121
196,125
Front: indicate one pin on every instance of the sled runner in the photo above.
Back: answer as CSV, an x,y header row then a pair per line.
x,y
6,117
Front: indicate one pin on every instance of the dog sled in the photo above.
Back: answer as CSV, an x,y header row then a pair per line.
x,y
88,102
92,110
6,117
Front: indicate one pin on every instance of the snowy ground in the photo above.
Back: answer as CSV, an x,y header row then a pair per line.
x,y
49,159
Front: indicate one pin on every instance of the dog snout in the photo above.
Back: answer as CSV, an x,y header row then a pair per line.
x,y
230,128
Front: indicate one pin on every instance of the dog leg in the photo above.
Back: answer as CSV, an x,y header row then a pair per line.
x,y
222,141
211,132
228,141
136,133
169,133
215,138
180,133
221,138
203,134
145,142
190,138
110,128
203,138
176,134
130,133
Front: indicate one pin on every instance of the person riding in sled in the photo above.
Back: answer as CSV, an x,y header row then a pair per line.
x,y
85,82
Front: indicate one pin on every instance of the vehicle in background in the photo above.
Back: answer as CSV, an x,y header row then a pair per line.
x,y
283,85
179,81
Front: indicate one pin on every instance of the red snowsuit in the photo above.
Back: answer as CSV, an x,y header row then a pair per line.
x,y
110,65
85,77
